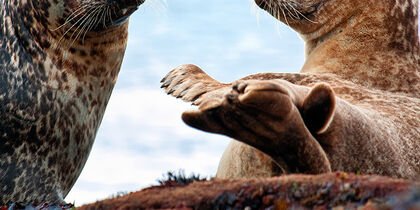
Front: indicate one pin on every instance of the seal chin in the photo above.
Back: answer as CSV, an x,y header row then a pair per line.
x,y
123,9
125,14
291,10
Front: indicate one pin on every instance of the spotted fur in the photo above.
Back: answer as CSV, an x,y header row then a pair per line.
x,y
54,87
363,61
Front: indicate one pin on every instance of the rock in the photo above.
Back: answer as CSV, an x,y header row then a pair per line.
x,y
290,191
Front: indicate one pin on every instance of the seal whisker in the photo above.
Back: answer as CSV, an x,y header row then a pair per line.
x,y
80,10
95,18
270,9
89,10
301,14
290,13
98,16
277,10
115,13
284,15
88,20
294,9
77,23
103,16
82,6
82,25
90,26
85,29
94,22
109,14
72,16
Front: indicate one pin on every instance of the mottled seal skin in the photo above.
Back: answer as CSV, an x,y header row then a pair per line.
x,y
354,107
59,62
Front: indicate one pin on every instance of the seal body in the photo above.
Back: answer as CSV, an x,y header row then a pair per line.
x,y
59,62
354,107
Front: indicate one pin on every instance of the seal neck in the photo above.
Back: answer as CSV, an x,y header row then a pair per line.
x,y
372,47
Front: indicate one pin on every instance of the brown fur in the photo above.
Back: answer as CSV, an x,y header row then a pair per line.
x,y
354,106
58,66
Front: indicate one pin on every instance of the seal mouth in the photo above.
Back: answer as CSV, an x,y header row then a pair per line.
x,y
125,15
122,9
288,11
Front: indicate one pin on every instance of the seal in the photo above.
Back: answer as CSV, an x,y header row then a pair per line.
x,y
59,62
353,107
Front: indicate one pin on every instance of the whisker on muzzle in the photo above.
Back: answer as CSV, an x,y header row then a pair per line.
x,y
285,9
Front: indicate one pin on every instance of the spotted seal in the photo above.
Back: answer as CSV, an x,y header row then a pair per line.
x,y
59,62
354,107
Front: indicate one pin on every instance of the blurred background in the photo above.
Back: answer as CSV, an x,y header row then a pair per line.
x,y
142,135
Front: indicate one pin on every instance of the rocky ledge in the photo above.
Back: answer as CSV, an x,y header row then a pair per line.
x,y
323,191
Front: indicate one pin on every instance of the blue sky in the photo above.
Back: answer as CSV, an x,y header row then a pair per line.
x,y
142,135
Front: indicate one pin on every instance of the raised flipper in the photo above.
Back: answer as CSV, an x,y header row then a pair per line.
x,y
191,84
265,115
318,108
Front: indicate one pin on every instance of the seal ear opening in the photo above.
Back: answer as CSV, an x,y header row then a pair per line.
x,y
318,108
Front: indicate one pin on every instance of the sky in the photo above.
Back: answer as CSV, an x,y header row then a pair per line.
x,y
142,135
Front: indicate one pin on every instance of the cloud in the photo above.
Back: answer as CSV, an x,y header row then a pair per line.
x,y
162,28
250,43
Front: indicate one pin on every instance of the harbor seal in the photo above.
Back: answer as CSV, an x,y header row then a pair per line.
x,y
354,107
59,62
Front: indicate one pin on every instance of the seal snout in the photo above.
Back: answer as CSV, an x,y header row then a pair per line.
x,y
123,9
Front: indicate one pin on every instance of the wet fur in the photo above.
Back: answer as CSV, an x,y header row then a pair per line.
x,y
355,102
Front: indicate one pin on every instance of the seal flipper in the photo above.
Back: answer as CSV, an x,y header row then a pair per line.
x,y
262,114
318,108
190,83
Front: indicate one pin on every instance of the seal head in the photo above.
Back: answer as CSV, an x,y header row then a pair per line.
x,y
59,61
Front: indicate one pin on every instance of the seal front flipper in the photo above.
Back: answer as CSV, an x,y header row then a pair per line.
x,y
263,114
318,108
191,84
